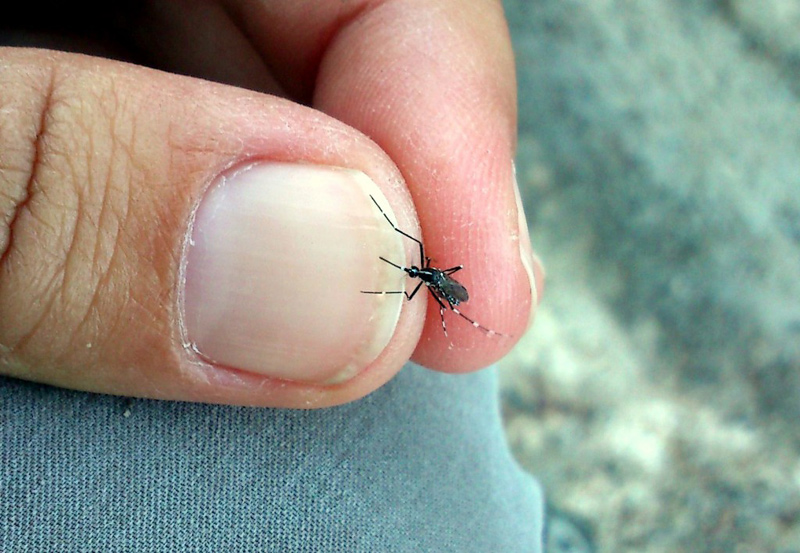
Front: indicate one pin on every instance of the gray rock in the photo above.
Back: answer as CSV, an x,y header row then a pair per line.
x,y
659,162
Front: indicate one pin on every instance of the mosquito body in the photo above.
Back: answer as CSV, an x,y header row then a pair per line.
x,y
446,290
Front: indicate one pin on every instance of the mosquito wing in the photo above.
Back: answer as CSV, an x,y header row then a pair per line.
x,y
452,290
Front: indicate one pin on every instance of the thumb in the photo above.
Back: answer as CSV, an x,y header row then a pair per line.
x,y
173,238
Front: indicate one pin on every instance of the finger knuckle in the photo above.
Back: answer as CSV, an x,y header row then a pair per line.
x,y
61,205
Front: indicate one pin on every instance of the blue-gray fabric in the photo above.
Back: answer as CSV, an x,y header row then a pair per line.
x,y
419,465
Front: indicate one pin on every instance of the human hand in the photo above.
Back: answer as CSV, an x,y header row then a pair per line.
x,y
170,237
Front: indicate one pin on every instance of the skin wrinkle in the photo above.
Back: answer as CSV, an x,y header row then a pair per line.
x,y
117,204
101,185
23,341
32,172
113,212
153,243
101,283
151,321
299,85
74,169
69,276
24,205
75,230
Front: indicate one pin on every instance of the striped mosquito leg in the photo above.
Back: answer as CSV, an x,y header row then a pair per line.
x,y
476,324
409,296
442,308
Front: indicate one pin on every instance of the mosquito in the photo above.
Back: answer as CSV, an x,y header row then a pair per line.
x,y
446,290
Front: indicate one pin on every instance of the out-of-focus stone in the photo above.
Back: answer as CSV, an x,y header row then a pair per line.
x,y
658,392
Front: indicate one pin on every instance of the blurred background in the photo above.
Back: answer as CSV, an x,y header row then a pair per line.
x,y
657,396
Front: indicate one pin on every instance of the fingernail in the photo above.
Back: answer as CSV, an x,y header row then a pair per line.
x,y
276,259
530,261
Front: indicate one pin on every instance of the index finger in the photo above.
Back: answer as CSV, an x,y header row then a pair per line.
x,y
433,84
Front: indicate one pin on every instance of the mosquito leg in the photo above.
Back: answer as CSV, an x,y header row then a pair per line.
x,y
409,296
421,249
441,310
440,290
392,264
476,324
414,293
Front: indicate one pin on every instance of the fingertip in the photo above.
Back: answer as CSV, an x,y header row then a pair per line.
x,y
442,103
